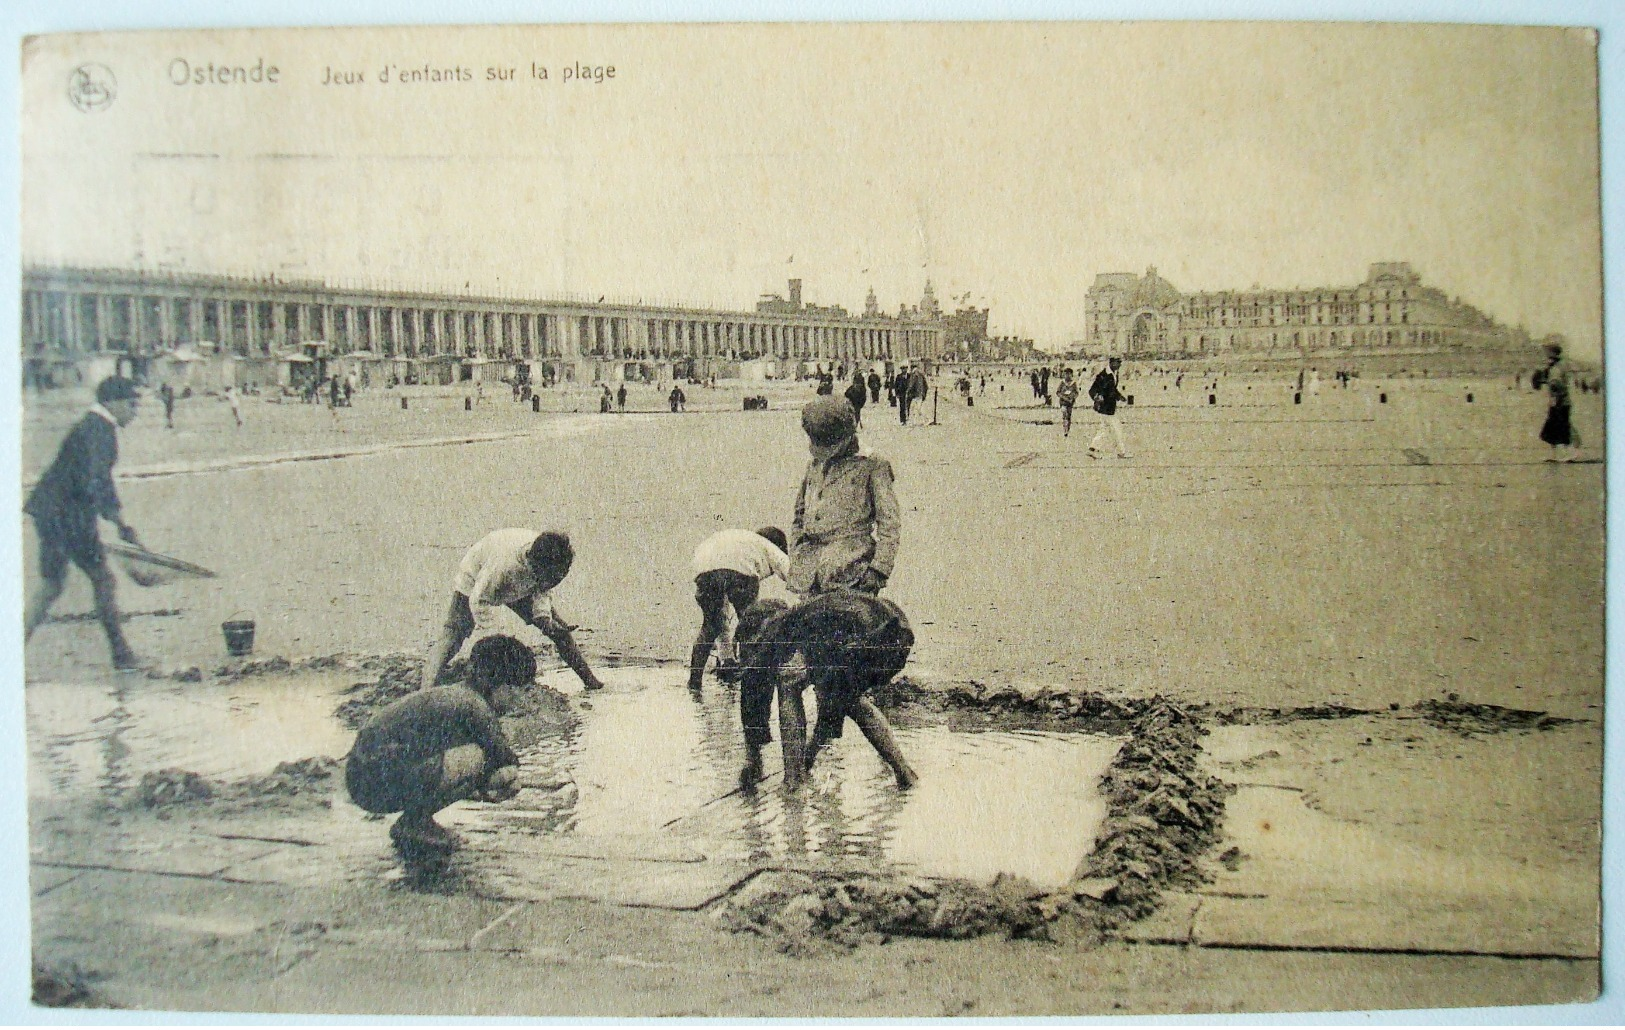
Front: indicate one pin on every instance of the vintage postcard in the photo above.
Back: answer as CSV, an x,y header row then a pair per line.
x,y
816,520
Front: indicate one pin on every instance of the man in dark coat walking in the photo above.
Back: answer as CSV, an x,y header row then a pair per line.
x,y
857,395
66,502
1106,395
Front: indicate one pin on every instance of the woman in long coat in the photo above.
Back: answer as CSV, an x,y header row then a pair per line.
x,y
1558,429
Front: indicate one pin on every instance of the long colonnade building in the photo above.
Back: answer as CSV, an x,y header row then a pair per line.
x,y
1392,310
72,314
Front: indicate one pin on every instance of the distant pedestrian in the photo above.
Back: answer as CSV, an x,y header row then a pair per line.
x,y
677,399
857,395
1558,430
1067,394
729,566
65,504
235,403
620,399
826,384
919,387
1106,396
874,387
606,401
166,393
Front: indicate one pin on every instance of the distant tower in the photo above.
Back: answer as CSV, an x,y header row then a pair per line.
x,y
928,302
871,306
795,294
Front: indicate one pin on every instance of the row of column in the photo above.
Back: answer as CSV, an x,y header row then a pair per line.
x,y
634,338
80,322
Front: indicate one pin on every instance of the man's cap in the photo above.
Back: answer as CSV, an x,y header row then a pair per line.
x,y
828,420
116,388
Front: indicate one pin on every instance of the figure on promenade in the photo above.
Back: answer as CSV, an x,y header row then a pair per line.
x,y
166,394
919,386
905,393
847,526
620,399
874,387
1558,430
677,399
729,566
857,395
516,569
75,491
234,403
1067,395
844,644
1106,395
441,745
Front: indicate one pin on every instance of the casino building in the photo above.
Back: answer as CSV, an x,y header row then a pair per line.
x,y
78,322
1393,310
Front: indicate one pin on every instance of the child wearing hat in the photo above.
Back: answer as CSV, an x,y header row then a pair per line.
x,y
847,524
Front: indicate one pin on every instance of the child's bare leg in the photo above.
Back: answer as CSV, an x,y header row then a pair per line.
x,y
872,721
713,623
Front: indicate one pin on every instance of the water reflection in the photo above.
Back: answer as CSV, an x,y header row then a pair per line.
x,y
647,769
648,759
94,739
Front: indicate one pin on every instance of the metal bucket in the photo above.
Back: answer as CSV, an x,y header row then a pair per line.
x,y
239,636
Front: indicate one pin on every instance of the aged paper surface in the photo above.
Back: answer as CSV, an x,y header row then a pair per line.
x,y
1214,587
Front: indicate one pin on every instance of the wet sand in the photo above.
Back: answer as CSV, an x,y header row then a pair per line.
x,y
1254,555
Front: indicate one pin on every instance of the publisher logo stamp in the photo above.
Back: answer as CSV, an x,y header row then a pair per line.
x,y
91,87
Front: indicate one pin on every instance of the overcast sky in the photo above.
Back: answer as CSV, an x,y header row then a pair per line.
x,y
1009,164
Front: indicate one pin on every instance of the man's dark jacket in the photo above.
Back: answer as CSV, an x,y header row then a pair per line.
x,y
79,484
1103,391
